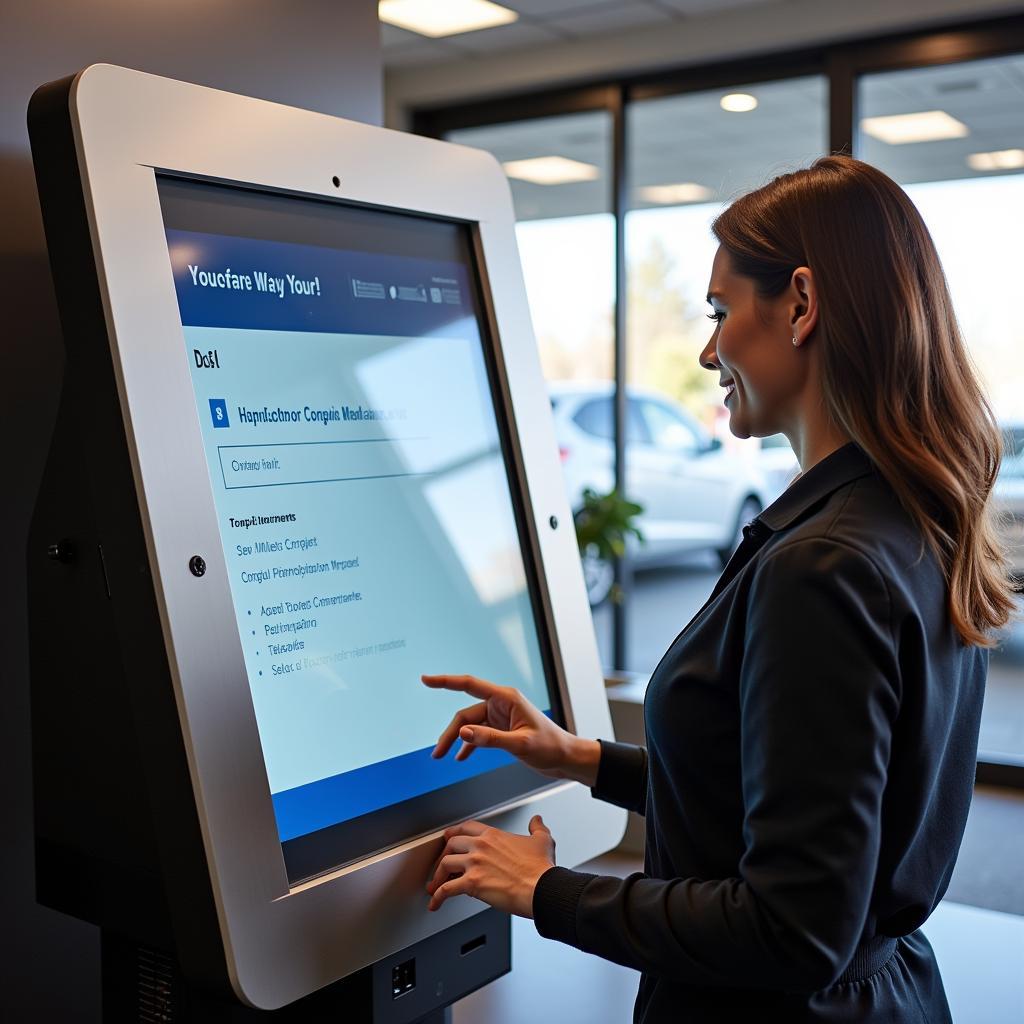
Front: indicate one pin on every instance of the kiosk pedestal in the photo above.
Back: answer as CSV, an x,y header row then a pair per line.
x,y
143,984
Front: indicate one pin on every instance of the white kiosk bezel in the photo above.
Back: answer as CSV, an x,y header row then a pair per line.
x,y
284,941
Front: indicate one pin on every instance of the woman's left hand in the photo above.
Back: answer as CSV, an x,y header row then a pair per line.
x,y
494,866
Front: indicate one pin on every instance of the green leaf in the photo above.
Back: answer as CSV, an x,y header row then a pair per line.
x,y
603,522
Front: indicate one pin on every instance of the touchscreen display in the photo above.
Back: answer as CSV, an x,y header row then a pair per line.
x,y
370,522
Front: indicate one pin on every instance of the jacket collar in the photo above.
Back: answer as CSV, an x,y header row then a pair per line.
x,y
823,478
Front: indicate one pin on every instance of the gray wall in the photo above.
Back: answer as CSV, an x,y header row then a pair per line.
x,y
320,54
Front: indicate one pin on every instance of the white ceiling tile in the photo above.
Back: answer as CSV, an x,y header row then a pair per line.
x,y
607,19
503,37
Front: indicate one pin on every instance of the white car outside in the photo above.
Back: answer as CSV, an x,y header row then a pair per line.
x,y
695,495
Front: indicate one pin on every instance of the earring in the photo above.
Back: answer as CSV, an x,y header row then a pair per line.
x,y
794,339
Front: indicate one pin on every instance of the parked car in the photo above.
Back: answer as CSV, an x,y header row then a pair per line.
x,y
695,495
1008,494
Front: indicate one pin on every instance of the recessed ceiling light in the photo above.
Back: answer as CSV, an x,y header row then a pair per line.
x,y
997,160
681,192
551,170
738,102
435,18
925,126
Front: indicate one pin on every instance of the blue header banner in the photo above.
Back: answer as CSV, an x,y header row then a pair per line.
x,y
227,281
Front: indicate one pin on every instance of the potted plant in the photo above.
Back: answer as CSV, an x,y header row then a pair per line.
x,y
602,524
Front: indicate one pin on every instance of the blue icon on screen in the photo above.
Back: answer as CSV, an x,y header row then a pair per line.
x,y
219,412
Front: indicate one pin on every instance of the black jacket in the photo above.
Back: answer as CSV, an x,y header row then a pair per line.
x,y
811,745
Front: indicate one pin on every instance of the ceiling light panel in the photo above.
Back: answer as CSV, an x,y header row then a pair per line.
x,y
997,160
551,170
738,102
435,19
924,126
680,192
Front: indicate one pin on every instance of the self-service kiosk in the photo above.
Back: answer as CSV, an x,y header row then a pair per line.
x,y
304,454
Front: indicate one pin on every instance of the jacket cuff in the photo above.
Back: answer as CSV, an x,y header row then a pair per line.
x,y
620,774
555,901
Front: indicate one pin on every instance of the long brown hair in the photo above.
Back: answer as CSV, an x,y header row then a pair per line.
x,y
896,375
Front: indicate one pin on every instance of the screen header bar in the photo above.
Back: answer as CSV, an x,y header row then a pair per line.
x,y
226,281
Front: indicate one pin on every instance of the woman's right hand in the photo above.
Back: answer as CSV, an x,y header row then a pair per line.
x,y
506,720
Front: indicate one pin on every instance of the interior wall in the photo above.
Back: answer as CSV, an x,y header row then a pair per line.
x,y
320,54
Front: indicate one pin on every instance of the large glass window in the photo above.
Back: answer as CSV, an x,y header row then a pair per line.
x,y
688,156
559,172
953,136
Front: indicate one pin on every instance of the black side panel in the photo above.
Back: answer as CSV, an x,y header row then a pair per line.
x,y
112,789
96,850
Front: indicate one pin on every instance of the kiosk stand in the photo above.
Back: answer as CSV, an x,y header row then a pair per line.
x,y
304,453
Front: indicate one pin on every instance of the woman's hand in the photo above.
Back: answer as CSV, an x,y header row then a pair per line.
x,y
505,719
494,866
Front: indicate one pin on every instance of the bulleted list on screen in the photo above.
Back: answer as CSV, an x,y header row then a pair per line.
x,y
287,630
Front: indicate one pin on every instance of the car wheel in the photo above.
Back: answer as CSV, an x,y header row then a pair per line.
x,y
598,575
749,509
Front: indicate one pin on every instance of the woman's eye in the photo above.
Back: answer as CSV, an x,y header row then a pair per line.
x,y
718,316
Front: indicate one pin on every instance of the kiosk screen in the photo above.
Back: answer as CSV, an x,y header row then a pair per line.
x,y
371,523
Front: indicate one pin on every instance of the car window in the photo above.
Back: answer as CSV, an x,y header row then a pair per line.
x,y
594,417
668,429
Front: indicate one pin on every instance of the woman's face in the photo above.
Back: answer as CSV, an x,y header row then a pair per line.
x,y
752,348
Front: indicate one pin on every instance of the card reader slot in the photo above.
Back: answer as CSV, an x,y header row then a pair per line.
x,y
477,943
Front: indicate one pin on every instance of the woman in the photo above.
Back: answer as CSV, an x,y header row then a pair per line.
x,y
812,732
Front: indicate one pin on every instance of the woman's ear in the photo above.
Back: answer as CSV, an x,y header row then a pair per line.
x,y
803,305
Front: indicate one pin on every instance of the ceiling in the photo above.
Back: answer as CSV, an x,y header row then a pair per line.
x,y
545,21
986,95
689,138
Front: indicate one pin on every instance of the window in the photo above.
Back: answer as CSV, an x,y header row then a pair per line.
x,y
559,173
953,136
558,170
688,156
684,156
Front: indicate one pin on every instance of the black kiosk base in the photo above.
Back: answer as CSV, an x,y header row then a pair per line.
x,y
416,986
